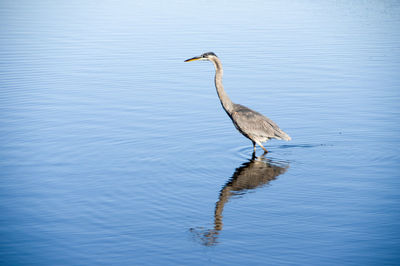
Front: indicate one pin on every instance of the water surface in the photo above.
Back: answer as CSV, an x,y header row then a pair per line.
x,y
114,151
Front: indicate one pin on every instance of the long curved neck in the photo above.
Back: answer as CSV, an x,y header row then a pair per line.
x,y
223,97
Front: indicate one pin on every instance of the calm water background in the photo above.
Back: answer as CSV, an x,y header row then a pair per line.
x,y
114,151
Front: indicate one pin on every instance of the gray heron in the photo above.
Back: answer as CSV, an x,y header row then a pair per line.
x,y
253,125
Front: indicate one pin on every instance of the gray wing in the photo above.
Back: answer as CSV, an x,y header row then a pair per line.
x,y
254,125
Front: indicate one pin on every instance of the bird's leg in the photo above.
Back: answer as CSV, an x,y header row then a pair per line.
x,y
254,146
265,150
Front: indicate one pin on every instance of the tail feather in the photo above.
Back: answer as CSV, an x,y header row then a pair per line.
x,y
282,135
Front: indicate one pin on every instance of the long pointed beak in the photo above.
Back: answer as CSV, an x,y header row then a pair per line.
x,y
193,59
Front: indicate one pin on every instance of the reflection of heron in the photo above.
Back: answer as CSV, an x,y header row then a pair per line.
x,y
251,124
250,175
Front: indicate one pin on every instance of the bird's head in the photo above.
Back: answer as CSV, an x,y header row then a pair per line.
x,y
204,57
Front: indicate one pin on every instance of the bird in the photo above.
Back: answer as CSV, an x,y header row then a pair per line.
x,y
251,124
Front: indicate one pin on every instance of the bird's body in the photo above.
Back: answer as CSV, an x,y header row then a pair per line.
x,y
253,125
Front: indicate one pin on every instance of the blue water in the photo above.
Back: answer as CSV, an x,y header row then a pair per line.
x,y
115,151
